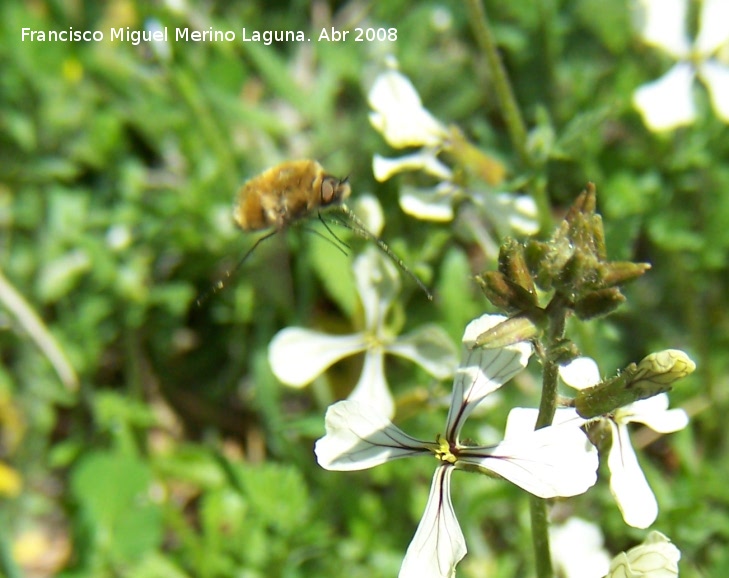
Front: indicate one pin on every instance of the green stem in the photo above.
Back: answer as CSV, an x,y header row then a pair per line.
x,y
507,101
538,506
510,109
38,331
548,403
547,407
540,537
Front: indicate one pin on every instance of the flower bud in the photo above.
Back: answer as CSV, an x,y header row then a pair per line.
x,y
498,290
579,271
505,294
513,330
661,369
653,375
620,272
512,263
599,303
547,260
536,254
656,557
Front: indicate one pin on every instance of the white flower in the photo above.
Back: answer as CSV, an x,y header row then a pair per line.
x,y
369,211
668,102
398,113
550,462
399,116
431,204
426,160
509,212
298,356
506,211
578,550
656,557
627,481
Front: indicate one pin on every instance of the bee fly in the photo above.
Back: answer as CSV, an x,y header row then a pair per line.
x,y
290,192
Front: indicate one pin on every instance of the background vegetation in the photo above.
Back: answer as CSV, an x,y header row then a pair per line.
x,y
169,449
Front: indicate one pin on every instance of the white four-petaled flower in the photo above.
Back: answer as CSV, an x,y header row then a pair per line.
x,y
668,102
627,481
398,114
550,462
298,356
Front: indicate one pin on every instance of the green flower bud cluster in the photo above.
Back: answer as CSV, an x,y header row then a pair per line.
x,y
571,270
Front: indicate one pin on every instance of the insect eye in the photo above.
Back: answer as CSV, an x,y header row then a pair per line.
x,y
329,188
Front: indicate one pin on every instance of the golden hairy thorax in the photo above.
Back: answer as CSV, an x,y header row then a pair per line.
x,y
286,193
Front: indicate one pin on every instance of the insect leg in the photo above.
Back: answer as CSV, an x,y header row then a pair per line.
x,y
332,233
228,274
328,240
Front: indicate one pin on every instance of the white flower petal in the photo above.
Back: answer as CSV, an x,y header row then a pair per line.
x,y
668,102
430,347
627,482
716,79
358,438
393,86
506,212
580,373
399,115
521,420
667,422
482,371
665,25
521,212
654,413
577,549
378,284
425,160
372,389
298,356
429,204
438,544
369,210
550,462
656,557
714,28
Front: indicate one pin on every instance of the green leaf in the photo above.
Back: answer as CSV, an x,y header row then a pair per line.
x,y
277,494
194,464
113,492
156,565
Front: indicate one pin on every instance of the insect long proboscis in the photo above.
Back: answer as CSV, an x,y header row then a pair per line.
x,y
361,229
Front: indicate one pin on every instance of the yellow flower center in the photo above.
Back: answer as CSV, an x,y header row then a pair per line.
x,y
444,453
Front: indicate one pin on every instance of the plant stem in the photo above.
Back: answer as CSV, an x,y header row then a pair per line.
x,y
540,537
548,403
547,407
509,109
34,326
538,506
507,101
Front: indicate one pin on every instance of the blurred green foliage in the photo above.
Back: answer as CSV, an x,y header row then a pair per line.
x,y
179,454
